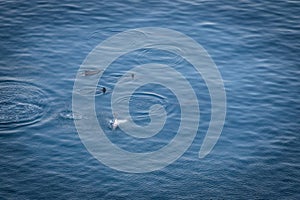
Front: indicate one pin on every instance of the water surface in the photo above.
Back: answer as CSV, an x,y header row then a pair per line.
x,y
255,45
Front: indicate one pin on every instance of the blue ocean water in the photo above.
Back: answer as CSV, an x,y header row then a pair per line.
x,y
255,45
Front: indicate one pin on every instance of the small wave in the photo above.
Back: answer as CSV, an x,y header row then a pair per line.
x,y
171,57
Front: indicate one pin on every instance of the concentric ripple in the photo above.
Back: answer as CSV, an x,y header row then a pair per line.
x,y
21,104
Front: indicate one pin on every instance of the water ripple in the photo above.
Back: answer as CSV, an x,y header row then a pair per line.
x,y
21,104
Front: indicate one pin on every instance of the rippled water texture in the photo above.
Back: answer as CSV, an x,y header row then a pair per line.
x,y
255,45
21,104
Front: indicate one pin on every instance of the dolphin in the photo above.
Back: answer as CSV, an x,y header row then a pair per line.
x,y
90,72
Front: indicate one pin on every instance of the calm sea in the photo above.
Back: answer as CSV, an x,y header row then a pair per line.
x,y
256,46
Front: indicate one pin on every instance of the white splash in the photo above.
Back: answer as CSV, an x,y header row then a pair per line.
x,y
114,123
